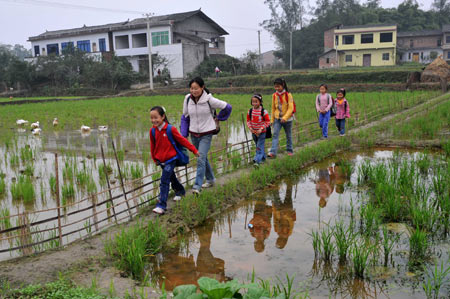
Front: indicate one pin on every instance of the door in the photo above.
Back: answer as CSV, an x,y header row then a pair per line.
x,y
416,57
367,59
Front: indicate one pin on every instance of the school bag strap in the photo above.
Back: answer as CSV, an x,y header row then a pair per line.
x,y
181,156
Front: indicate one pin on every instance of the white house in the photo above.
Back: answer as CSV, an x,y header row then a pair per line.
x,y
184,39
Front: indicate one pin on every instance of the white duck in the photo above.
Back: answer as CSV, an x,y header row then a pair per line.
x,y
103,128
35,125
85,129
21,122
36,131
55,122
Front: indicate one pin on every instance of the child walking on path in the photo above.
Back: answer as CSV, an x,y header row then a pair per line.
x,y
324,102
342,111
165,155
282,116
258,121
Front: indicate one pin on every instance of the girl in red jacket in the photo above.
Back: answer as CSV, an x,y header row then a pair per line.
x,y
165,155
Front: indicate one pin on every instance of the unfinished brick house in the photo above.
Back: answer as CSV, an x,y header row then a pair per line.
x,y
419,46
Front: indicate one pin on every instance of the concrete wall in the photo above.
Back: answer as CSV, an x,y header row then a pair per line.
x,y
193,55
357,45
376,57
93,38
138,50
202,28
419,41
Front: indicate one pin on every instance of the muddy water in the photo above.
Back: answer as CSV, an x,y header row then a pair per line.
x,y
270,235
83,151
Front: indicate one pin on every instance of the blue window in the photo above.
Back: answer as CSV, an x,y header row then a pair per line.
x,y
102,44
65,46
37,51
52,49
84,45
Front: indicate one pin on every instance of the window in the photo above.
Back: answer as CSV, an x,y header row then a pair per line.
x,y
102,45
348,58
448,55
386,37
337,40
122,42
367,38
439,42
139,40
421,55
52,49
328,60
36,51
348,39
411,43
84,45
447,39
386,56
68,46
160,38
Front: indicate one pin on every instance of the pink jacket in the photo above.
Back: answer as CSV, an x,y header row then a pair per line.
x,y
342,110
324,102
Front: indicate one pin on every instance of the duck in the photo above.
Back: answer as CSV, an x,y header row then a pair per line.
x,y
36,131
85,129
55,122
103,128
21,122
35,125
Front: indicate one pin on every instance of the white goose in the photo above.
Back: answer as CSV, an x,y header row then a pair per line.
x,y
55,122
21,122
103,128
35,125
85,129
36,131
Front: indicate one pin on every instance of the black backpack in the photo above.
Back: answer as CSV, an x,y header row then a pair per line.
x,y
269,128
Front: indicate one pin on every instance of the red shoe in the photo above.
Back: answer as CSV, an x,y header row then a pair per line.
x,y
270,155
290,154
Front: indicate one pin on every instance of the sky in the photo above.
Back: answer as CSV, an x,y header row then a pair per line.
x,y
20,19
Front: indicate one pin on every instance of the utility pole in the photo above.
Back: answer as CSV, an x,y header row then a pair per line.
x,y
260,57
290,52
149,45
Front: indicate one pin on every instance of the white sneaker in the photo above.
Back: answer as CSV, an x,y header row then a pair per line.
x,y
207,185
342,135
158,211
195,191
177,198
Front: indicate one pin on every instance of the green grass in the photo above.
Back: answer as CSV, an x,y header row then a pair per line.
x,y
23,189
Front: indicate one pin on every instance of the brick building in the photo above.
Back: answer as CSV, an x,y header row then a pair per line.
x,y
419,46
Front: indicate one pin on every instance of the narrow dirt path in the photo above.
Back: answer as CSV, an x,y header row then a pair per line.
x,y
86,260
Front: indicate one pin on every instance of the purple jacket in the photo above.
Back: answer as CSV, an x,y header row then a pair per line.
x,y
342,110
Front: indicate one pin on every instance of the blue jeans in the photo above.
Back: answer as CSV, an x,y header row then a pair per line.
x,y
340,124
168,177
287,126
203,144
323,122
260,151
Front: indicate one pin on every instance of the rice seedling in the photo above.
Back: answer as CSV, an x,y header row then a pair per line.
x,y
137,171
23,189
82,178
435,278
91,186
418,246
328,246
68,171
370,217
5,221
360,252
423,162
2,187
26,154
346,168
388,243
68,193
14,160
52,183
29,170
423,216
343,236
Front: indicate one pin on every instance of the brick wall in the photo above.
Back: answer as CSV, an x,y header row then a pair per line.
x,y
328,39
419,41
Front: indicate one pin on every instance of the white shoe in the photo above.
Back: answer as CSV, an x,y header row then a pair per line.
x,y
177,198
207,185
158,211
342,135
195,191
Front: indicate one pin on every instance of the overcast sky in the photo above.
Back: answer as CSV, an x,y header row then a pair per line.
x,y
20,19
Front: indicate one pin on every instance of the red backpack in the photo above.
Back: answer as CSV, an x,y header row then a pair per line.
x,y
295,106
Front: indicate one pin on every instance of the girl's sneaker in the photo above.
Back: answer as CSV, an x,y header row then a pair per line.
x,y
158,211
195,191
207,185
290,154
342,135
270,155
177,198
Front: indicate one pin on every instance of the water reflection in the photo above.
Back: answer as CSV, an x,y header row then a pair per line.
x,y
284,216
260,225
324,185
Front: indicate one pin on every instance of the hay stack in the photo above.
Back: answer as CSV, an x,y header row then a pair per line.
x,y
437,70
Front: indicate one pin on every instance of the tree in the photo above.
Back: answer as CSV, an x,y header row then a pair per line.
x,y
442,8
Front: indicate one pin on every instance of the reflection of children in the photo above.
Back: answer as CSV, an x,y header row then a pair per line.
x,y
339,178
177,270
324,187
324,102
258,121
284,217
207,264
342,111
261,225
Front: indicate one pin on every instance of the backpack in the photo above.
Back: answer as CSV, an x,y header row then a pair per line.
x,y
333,105
268,129
182,157
295,106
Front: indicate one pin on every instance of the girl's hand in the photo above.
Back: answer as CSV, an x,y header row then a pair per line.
x,y
283,120
197,155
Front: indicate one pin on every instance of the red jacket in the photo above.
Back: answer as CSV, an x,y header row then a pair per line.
x,y
162,150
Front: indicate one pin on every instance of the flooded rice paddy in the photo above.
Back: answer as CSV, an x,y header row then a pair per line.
x,y
271,234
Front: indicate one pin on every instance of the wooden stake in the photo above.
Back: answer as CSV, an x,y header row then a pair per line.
x,y
105,170
121,179
58,202
246,138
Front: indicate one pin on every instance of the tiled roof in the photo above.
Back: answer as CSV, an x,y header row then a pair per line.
x,y
419,33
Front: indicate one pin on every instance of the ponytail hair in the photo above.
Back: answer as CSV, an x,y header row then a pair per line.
x,y
281,82
200,83
161,111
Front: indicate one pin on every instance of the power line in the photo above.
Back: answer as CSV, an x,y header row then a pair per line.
x,y
70,6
